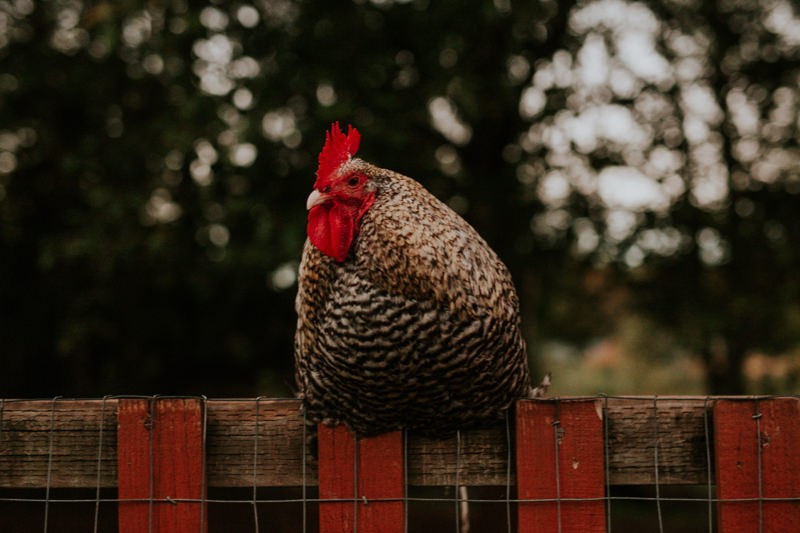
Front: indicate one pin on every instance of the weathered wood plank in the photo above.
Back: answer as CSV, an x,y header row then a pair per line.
x,y
369,469
758,458
380,476
632,431
82,431
336,480
271,453
560,455
160,456
134,460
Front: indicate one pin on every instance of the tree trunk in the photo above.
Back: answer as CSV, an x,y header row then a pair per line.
x,y
724,361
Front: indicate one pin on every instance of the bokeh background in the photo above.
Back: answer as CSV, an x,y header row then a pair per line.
x,y
636,165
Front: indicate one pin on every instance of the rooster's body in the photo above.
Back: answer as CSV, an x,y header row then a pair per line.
x,y
406,317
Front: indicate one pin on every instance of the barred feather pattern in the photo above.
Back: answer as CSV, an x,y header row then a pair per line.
x,y
419,328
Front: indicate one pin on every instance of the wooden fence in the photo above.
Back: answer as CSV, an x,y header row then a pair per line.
x,y
558,459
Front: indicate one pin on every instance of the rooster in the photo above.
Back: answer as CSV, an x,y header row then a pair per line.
x,y
406,318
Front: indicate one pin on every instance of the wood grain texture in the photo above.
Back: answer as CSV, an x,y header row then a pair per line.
x,y
741,428
83,431
676,424
375,466
257,442
336,481
160,458
380,477
134,465
559,451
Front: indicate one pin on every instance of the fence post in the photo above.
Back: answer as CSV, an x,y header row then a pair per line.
x,y
757,459
376,465
559,447
159,464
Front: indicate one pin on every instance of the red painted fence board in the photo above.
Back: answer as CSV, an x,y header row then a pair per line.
x,y
577,472
379,462
736,441
175,451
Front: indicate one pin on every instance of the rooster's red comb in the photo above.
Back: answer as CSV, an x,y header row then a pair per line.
x,y
338,149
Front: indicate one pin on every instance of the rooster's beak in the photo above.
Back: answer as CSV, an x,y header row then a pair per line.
x,y
316,198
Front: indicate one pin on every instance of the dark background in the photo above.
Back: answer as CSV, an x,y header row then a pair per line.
x,y
636,166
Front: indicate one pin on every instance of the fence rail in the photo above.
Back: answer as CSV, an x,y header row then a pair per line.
x,y
80,429
561,456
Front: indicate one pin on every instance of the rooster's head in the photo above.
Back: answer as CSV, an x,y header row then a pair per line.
x,y
341,195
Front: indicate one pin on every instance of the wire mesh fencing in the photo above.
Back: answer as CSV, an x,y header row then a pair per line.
x,y
601,463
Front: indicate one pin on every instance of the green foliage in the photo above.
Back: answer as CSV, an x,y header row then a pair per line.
x,y
625,159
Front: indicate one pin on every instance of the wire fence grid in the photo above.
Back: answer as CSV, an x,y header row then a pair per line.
x,y
61,468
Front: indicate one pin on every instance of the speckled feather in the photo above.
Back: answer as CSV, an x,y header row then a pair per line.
x,y
418,328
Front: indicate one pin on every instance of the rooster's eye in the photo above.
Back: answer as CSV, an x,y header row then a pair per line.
x,y
352,181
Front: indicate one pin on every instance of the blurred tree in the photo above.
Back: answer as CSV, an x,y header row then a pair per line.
x,y
622,157
139,237
680,136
